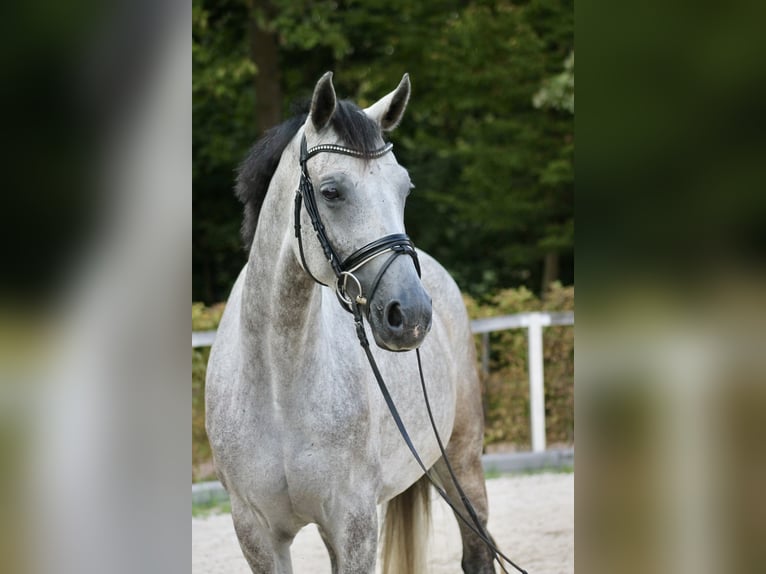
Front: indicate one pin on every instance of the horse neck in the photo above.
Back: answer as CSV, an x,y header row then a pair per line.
x,y
277,290
278,294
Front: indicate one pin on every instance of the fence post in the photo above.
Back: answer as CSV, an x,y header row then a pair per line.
x,y
536,391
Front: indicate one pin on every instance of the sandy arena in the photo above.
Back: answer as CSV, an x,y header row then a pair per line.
x,y
531,518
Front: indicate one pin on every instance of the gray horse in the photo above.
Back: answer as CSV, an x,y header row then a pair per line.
x,y
299,430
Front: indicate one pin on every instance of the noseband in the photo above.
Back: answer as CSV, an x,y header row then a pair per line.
x,y
396,244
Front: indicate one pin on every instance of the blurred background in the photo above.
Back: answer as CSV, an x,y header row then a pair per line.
x,y
94,286
670,365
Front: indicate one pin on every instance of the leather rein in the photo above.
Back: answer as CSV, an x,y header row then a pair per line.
x,y
396,244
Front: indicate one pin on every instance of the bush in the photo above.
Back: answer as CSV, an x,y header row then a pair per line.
x,y
505,390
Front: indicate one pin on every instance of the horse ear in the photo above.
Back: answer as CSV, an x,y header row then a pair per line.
x,y
323,102
388,110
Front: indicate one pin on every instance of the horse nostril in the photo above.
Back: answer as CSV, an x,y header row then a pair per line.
x,y
394,315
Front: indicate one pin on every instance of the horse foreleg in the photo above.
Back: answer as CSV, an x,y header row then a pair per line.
x,y
466,463
266,552
351,538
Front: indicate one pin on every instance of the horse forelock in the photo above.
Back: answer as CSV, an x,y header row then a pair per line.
x,y
350,124
354,128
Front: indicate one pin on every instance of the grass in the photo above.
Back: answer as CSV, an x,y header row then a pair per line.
x,y
491,473
201,510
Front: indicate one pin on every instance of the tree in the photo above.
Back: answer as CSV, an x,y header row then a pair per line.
x,y
557,93
498,168
222,112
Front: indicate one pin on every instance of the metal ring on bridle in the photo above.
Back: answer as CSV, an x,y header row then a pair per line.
x,y
343,292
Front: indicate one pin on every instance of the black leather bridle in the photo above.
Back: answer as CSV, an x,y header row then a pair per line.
x,y
396,244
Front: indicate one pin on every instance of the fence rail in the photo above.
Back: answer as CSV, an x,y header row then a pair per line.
x,y
533,322
202,338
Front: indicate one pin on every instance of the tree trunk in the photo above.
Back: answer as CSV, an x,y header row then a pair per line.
x,y
550,269
264,51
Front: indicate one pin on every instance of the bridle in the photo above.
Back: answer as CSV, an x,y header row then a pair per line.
x,y
396,244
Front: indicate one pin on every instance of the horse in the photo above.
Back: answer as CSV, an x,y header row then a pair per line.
x,y
298,428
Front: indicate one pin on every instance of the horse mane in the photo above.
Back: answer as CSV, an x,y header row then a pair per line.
x,y
254,174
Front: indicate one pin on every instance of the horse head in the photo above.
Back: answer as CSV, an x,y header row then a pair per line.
x,y
354,199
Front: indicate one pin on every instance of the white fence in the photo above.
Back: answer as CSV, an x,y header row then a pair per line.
x,y
533,322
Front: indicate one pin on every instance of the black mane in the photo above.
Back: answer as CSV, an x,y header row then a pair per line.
x,y
354,128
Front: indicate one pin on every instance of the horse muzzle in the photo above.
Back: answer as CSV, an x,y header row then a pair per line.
x,y
400,322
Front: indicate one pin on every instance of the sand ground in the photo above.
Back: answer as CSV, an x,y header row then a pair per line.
x,y
531,518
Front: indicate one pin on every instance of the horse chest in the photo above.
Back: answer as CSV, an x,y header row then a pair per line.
x,y
308,405
319,442
328,416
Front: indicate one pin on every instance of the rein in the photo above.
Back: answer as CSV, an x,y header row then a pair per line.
x,y
474,524
396,244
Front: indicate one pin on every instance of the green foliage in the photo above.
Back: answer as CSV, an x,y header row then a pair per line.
x,y
507,191
222,93
206,318
222,104
305,25
557,92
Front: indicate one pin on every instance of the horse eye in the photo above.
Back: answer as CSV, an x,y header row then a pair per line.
x,y
330,193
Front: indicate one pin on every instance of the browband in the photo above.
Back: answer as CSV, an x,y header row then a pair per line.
x,y
333,148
